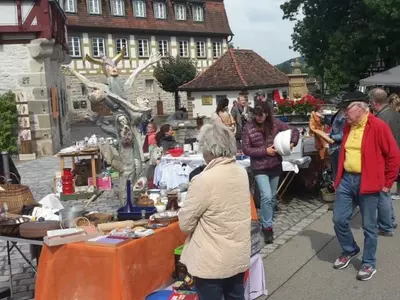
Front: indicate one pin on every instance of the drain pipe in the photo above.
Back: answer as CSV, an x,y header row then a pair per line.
x,y
6,166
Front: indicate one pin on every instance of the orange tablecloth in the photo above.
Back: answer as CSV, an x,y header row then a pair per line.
x,y
80,271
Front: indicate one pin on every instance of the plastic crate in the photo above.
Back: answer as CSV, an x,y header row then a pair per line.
x,y
180,269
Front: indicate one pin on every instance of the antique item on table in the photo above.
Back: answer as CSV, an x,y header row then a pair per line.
x,y
68,215
176,152
71,235
108,241
164,217
154,194
172,200
144,200
35,230
98,218
160,207
10,226
15,196
128,206
67,182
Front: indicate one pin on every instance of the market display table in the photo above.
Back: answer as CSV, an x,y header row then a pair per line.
x,y
93,153
127,272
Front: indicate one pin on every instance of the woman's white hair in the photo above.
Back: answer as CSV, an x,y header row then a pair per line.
x,y
217,140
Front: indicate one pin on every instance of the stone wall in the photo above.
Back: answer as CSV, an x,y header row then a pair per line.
x,y
79,104
33,70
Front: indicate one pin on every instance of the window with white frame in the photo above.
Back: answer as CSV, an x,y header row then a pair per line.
x,y
201,49
120,43
180,12
198,13
160,10
94,7
149,83
70,6
217,49
74,46
139,8
183,48
163,48
98,47
143,48
118,7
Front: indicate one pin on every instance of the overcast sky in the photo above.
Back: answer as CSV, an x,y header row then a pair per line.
x,y
258,25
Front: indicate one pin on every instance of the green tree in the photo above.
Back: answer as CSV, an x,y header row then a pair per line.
x,y
341,39
231,45
8,123
172,72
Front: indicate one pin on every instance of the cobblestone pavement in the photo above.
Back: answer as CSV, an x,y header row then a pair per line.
x,y
291,220
38,175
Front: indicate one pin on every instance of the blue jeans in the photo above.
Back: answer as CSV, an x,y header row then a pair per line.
x,y
347,198
267,186
386,217
213,289
335,163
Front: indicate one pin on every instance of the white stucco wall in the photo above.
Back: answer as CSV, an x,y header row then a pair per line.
x,y
207,110
14,61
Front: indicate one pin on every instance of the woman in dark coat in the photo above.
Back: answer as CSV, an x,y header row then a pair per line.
x,y
266,163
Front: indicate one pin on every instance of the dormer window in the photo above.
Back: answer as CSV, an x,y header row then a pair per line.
x,y
70,6
117,7
160,11
198,13
139,8
94,7
180,12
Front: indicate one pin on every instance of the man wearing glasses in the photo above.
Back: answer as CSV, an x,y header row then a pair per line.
x,y
380,105
369,162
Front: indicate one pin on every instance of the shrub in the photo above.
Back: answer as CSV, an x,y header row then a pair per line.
x,y
8,123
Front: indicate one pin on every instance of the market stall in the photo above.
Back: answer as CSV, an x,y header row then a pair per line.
x,y
130,271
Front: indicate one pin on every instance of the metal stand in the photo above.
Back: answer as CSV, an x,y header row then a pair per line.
x,y
12,244
285,184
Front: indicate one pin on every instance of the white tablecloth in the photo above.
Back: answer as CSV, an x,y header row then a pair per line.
x,y
197,160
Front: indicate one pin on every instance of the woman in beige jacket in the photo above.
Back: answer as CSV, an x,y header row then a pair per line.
x,y
216,215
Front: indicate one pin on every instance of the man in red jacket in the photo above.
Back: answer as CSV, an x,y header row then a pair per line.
x,y
369,162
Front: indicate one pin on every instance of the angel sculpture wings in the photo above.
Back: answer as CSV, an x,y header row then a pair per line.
x,y
126,115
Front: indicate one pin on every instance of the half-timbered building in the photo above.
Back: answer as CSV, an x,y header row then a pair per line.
x,y
196,29
33,45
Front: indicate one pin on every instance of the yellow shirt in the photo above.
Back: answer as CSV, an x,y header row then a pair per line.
x,y
352,161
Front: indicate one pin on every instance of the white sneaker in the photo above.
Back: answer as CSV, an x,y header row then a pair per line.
x,y
395,197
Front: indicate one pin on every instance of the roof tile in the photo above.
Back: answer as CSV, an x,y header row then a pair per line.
x,y
238,70
215,19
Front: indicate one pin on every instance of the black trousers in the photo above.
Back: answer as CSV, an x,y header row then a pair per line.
x,y
213,289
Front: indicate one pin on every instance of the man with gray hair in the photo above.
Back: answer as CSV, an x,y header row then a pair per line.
x,y
369,162
380,105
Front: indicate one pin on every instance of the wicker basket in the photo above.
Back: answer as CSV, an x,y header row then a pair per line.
x,y
16,196
327,196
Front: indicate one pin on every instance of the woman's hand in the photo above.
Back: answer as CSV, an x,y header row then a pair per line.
x,y
318,115
271,151
291,146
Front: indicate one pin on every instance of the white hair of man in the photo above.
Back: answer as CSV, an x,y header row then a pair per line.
x,y
360,104
217,140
